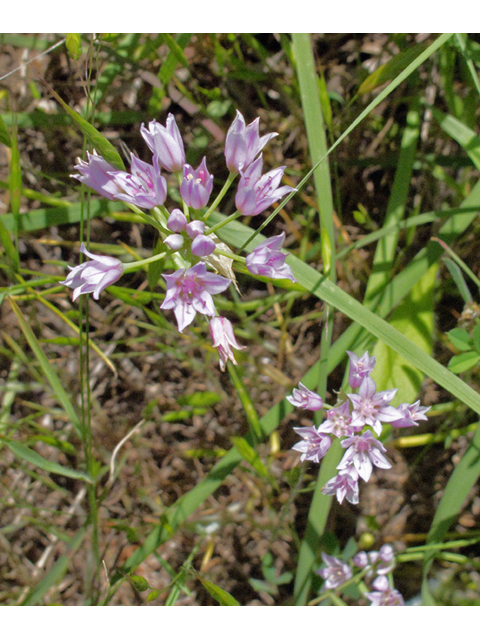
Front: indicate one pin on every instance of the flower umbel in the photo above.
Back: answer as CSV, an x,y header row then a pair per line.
x,y
93,276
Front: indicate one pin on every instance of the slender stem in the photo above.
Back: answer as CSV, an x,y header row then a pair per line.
x,y
225,188
221,224
134,266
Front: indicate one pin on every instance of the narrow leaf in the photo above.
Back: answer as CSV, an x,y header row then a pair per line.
x,y
29,455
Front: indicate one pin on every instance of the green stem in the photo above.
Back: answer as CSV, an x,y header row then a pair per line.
x,y
221,224
225,188
134,266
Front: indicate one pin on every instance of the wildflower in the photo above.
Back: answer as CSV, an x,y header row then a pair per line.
x,y
386,557
243,143
177,221
196,185
144,187
360,368
195,228
338,421
255,192
370,408
190,291
363,452
174,242
385,595
411,414
267,259
314,444
343,485
202,246
305,399
360,560
166,143
335,573
223,339
93,276
96,173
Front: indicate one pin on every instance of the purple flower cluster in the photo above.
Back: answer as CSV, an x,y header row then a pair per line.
x,y
189,290
352,422
375,567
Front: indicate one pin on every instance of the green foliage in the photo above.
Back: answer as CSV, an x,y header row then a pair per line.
x,y
366,279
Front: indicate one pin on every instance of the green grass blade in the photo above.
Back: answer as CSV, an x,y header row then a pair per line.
x,y
98,141
39,461
461,481
50,374
53,577
71,214
465,137
220,595
386,248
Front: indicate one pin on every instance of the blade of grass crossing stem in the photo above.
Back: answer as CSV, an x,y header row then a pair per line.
x,y
50,374
56,573
386,247
317,143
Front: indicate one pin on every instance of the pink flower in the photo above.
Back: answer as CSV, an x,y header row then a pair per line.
x,y
343,485
96,173
370,408
223,339
243,143
314,444
411,414
144,187
177,222
360,368
305,399
166,143
338,421
363,452
267,259
335,573
196,185
385,595
255,192
93,276
190,291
